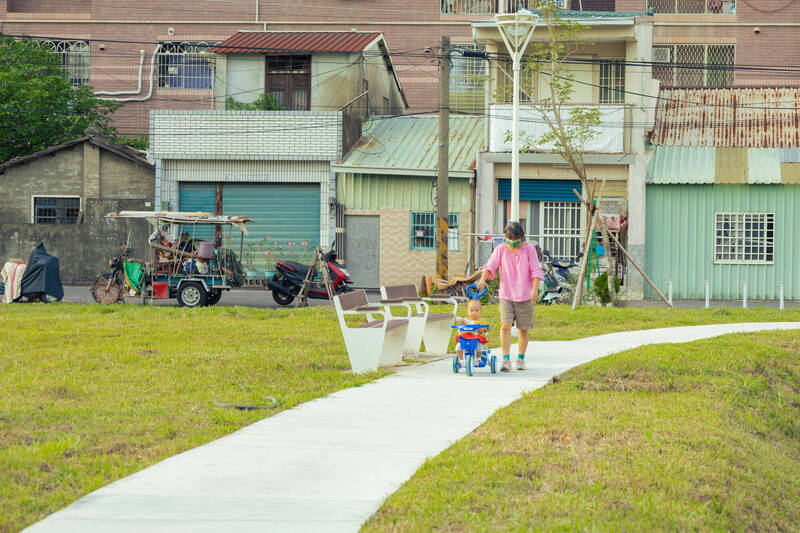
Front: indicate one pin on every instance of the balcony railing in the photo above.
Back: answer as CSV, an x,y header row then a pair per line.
x,y
609,140
708,7
485,7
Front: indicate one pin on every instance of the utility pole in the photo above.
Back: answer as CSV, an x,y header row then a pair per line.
x,y
443,171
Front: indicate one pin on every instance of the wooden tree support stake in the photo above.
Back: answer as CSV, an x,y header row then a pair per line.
x,y
319,259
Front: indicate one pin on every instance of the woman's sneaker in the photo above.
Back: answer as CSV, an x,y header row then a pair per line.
x,y
520,363
505,366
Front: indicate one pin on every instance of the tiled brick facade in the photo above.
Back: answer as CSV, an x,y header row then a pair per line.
x,y
400,264
410,28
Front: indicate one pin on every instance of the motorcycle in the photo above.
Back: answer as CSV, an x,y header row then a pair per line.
x,y
109,287
290,275
557,287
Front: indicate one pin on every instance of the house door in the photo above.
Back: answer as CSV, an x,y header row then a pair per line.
x,y
362,245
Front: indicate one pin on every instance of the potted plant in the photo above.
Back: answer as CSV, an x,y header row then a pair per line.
x,y
250,261
268,247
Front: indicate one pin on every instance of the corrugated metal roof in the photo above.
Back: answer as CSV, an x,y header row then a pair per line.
x,y
295,41
410,145
748,117
763,165
682,164
790,155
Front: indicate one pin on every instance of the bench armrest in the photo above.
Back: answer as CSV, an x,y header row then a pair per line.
x,y
392,301
367,308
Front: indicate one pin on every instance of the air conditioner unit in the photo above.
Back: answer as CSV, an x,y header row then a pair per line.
x,y
662,54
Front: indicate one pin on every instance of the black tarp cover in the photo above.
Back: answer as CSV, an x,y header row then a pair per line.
x,y
42,275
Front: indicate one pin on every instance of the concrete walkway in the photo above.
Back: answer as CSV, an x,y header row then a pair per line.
x,y
328,464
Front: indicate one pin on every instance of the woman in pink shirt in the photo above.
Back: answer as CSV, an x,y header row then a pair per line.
x,y
520,273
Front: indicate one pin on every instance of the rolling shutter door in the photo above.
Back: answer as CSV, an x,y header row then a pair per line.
x,y
284,212
202,197
539,190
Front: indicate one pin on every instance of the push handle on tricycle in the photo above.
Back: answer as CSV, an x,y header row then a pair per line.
x,y
472,291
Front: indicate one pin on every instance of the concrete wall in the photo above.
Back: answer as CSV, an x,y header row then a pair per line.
x,y
82,249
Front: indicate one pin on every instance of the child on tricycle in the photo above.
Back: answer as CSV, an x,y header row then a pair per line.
x,y
471,345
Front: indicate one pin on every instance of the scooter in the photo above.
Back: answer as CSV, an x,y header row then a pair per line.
x,y
290,275
557,288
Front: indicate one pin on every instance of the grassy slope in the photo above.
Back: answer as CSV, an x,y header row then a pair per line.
x,y
674,437
94,393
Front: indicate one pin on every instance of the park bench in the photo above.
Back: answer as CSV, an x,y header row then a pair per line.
x,y
433,328
378,342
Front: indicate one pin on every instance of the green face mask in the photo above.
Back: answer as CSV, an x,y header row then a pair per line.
x,y
513,244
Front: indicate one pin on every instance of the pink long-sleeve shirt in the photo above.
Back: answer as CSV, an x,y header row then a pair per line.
x,y
517,271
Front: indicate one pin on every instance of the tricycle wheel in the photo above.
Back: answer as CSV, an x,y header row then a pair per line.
x,y
192,294
469,360
493,364
106,290
281,298
455,364
214,297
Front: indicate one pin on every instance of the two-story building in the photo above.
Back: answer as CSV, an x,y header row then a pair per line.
x,y
275,166
550,211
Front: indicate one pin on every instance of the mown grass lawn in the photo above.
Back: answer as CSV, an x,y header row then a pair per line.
x,y
93,393
684,437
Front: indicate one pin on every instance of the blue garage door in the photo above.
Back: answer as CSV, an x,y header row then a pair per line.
x,y
284,212
200,197
540,190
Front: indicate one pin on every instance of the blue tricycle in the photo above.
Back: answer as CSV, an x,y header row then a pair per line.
x,y
469,342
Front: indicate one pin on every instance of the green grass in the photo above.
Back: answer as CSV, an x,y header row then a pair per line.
x,y
699,436
93,393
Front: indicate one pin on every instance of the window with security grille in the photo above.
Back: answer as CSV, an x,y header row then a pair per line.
x,y
74,57
289,81
183,65
560,224
56,210
468,80
710,7
744,238
423,231
505,84
612,82
694,65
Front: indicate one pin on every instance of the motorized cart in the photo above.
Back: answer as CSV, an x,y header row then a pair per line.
x,y
178,265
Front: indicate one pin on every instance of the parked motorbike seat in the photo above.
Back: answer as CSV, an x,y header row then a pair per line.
x,y
559,263
300,268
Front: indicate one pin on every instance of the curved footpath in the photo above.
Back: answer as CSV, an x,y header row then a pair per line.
x,y
328,464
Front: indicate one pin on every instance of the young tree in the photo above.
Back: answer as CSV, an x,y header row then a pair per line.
x,y
38,106
570,128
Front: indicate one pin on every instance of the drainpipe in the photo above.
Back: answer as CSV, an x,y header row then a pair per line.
x,y
139,86
150,92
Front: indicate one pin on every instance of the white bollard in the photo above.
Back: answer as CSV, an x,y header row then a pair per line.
x,y
780,294
707,284
744,295
669,291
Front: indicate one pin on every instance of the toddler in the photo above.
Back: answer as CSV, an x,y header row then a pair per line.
x,y
474,310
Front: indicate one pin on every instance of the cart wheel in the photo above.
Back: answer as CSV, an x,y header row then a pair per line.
x,y
493,364
214,297
455,364
469,360
106,290
192,294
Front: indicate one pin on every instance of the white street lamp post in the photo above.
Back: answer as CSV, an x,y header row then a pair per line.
x,y
516,29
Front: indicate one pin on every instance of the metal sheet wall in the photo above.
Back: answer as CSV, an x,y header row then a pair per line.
x,y
199,197
415,193
680,240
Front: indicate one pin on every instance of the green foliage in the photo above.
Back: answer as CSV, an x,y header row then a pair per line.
x,y
263,103
601,287
39,108
139,142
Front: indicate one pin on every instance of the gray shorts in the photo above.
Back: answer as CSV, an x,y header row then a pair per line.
x,y
519,312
